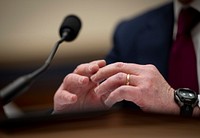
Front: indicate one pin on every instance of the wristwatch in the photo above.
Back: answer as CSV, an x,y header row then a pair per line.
x,y
187,99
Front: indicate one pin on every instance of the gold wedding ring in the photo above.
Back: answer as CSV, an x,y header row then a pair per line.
x,y
128,79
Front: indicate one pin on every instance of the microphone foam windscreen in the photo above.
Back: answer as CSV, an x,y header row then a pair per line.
x,y
71,24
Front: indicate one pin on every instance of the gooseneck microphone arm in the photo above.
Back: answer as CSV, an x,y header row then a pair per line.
x,y
49,59
68,32
22,83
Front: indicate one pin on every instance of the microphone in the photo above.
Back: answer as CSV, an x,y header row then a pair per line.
x,y
68,32
71,26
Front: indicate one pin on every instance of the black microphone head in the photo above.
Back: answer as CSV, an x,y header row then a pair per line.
x,y
70,25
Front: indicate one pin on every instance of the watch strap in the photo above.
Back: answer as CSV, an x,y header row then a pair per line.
x,y
186,110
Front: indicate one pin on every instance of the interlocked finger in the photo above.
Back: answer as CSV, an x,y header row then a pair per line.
x,y
115,81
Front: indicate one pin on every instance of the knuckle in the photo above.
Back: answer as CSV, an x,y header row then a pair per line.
x,y
119,76
147,85
119,64
58,97
122,90
147,81
151,71
151,67
68,77
78,67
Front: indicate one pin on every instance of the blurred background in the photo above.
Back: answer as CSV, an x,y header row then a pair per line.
x,y
29,29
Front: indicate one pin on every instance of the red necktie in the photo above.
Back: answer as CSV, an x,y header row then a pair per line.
x,y
182,61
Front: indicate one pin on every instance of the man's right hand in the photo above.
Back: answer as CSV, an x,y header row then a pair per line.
x,y
76,93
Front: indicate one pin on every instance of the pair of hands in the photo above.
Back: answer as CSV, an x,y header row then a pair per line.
x,y
97,86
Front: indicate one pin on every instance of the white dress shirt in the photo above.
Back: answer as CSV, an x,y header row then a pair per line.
x,y
195,32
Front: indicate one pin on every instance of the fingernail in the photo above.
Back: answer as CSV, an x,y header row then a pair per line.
x,y
106,102
82,80
73,99
92,78
96,90
90,68
103,97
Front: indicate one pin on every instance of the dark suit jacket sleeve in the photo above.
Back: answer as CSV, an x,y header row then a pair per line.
x,y
145,39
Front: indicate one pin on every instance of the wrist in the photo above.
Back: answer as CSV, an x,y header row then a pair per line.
x,y
174,108
197,108
196,111
187,100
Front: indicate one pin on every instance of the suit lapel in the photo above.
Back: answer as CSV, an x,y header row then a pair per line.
x,y
161,38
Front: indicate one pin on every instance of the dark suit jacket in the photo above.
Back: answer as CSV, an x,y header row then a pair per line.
x,y
146,39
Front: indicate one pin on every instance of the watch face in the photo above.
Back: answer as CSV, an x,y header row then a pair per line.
x,y
186,99
187,96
